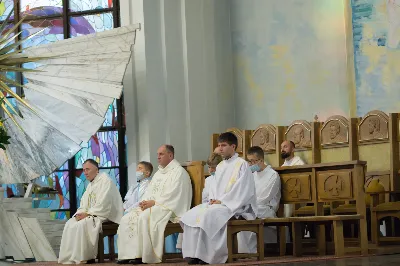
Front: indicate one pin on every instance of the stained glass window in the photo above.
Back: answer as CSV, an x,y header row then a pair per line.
x,y
60,182
81,25
111,115
53,31
102,147
6,6
83,5
82,183
41,8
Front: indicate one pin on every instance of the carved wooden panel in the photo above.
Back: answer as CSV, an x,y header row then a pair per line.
x,y
296,187
335,131
265,137
334,185
374,127
300,133
239,134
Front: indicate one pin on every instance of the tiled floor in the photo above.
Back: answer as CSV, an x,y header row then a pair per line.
x,y
387,260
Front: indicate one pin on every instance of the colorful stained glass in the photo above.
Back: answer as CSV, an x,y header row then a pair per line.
x,y
64,166
84,5
111,115
102,147
40,8
52,33
60,215
82,183
6,6
82,25
60,182
13,190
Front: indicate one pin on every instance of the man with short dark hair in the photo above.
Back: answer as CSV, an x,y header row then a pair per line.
x,y
168,197
287,153
268,192
229,193
101,202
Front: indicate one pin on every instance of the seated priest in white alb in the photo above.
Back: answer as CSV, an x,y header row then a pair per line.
x,y
268,192
168,197
230,193
101,202
136,191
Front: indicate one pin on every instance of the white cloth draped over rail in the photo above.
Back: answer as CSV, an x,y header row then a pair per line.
x,y
102,201
141,233
205,225
268,192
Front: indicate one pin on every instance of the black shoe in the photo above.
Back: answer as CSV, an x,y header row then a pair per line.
x,y
193,261
92,261
136,261
202,262
123,262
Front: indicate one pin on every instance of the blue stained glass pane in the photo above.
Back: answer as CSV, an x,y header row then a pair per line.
x,y
60,182
102,147
83,5
60,215
6,6
13,190
64,166
111,115
52,33
40,8
82,183
82,25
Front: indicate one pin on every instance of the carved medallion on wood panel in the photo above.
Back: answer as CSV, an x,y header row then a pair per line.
x,y
300,133
296,187
239,134
265,137
335,185
335,131
374,127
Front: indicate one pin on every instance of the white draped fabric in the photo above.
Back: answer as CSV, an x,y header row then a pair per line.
x,y
141,233
205,226
268,192
135,194
102,201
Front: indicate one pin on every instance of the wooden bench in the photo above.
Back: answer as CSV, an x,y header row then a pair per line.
x,y
196,173
321,183
337,225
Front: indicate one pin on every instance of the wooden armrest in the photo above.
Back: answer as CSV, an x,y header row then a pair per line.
x,y
245,222
383,192
277,220
326,218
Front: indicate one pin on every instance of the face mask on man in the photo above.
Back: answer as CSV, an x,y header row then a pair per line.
x,y
139,176
212,173
255,168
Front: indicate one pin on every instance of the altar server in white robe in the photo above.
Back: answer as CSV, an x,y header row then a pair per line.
x,y
168,197
137,190
100,202
287,153
268,192
229,193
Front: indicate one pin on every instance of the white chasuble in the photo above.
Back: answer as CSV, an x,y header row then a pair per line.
x,y
204,226
268,192
141,233
102,201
